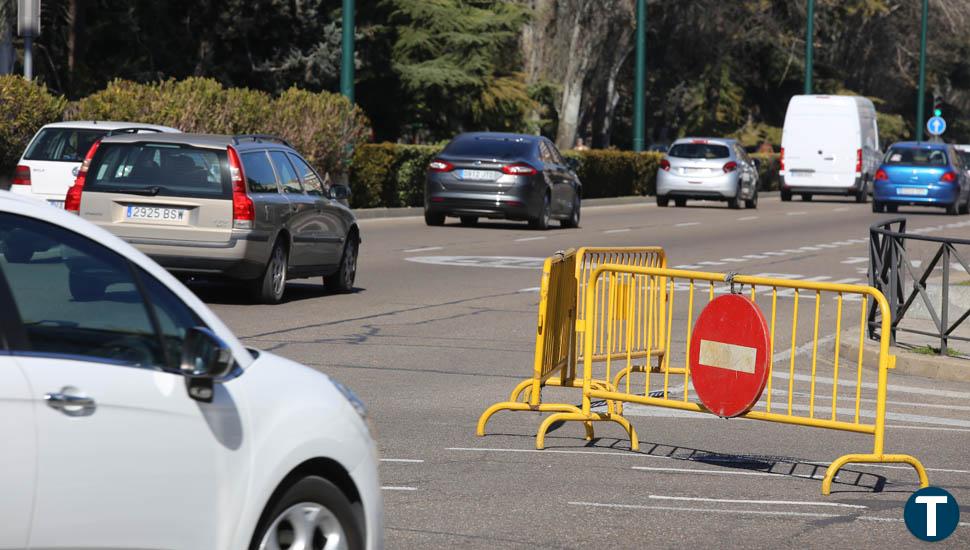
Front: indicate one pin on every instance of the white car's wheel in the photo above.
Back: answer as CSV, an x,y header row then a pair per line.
x,y
313,514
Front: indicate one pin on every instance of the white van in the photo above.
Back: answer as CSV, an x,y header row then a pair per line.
x,y
52,158
829,146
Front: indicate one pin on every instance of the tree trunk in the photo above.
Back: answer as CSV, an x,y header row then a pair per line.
x,y
75,33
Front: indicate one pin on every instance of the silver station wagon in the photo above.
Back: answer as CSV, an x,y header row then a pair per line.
x,y
245,207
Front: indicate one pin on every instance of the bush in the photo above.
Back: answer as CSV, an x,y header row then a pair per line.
x,y
389,174
24,108
769,164
609,173
323,126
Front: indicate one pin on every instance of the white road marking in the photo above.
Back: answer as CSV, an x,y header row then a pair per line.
x,y
425,249
524,239
686,266
827,245
796,213
710,263
406,460
721,472
530,289
617,231
747,501
774,253
505,262
747,218
855,260
810,248
792,251
755,257
686,224
397,488
733,260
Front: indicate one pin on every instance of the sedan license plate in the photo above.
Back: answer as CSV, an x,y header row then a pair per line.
x,y
479,175
917,191
156,213
56,204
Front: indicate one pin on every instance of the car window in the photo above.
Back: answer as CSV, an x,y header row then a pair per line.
x,y
259,173
914,156
699,151
170,169
545,153
76,297
174,317
311,181
286,173
62,144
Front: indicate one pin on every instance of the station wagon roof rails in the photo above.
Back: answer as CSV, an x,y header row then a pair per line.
x,y
132,130
258,138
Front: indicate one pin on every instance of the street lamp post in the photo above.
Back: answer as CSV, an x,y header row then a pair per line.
x,y
810,47
921,91
640,79
347,52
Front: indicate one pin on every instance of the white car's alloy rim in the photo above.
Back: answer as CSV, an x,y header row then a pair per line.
x,y
305,526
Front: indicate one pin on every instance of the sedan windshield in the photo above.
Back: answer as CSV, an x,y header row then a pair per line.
x,y
699,151
913,156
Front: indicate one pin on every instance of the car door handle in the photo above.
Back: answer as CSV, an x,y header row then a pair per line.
x,y
71,405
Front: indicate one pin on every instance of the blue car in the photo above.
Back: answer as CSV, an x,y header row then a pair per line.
x,y
924,174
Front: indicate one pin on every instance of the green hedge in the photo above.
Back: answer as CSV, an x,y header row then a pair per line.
x,y
768,179
24,107
323,126
610,173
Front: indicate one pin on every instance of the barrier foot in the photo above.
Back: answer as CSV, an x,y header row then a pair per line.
x,y
517,406
840,462
522,386
587,420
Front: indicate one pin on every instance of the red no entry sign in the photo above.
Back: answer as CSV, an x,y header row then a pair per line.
x,y
729,355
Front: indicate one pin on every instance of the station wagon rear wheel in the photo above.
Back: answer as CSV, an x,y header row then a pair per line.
x,y
270,287
343,279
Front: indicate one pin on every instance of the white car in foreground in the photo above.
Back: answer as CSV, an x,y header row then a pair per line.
x,y
53,157
131,417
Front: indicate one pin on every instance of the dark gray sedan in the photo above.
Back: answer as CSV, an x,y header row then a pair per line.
x,y
502,176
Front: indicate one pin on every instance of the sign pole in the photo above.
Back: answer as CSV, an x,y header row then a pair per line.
x,y
810,47
640,76
921,91
28,56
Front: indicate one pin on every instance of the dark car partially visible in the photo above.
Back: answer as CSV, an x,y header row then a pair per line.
x,y
502,176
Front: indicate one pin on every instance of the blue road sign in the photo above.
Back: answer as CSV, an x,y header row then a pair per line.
x,y
936,126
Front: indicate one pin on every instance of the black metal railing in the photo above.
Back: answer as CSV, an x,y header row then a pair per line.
x,y
891,270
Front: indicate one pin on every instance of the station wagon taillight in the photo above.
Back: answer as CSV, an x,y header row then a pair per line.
x,y
438,165
243,212
72,202
881,175
665,165
518,169
730,167
21,175
949,177
858,161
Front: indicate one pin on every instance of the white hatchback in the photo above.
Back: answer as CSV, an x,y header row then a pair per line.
x,y
53,157
131,417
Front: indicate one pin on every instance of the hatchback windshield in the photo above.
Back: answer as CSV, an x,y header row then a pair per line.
x,y
62,144
699,151
916,157
489,147
159,169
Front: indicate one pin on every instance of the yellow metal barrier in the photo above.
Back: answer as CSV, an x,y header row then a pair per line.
x,y
613,296
557,350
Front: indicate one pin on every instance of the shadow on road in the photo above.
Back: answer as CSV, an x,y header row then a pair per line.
x,y
235,293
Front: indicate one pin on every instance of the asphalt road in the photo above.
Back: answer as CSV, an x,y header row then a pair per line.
x,y
443,324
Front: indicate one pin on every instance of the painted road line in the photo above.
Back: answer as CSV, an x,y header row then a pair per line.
x,y
930,428
524,239
616,231
747,218
827,245
505,262
551,451
747,501
792,251
774,253
733,260
777,513
686,224
810,248
405,460
530,289
710,263
398,488
425,249
755,257
795,213
855,260
721,472
686,266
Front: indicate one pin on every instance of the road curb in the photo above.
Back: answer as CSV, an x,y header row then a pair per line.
x,y
907,362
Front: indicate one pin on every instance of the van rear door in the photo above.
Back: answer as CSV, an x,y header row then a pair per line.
x,y
821,148
159,191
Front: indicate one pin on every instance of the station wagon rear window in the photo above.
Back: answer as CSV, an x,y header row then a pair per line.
x,y
159,169
699,151
63,144
912,156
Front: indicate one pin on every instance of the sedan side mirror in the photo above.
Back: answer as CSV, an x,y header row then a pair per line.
x,y
572,163
205,359
339,192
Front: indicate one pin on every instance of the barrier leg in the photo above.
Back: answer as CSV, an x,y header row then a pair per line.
x,y
579,416
521,387
516,406
840,462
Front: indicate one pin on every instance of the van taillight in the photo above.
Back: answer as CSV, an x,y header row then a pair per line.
x,y
21,175
858,161
243,212
72,202
781,160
